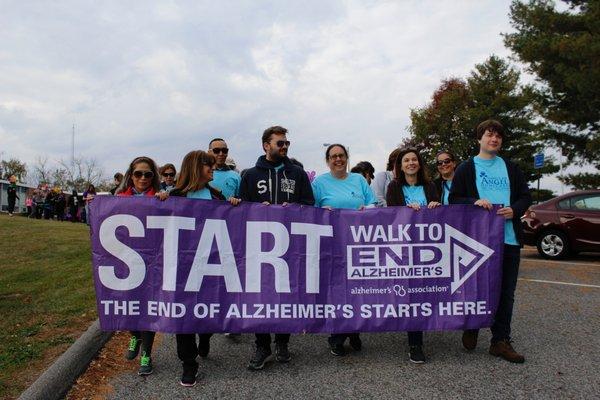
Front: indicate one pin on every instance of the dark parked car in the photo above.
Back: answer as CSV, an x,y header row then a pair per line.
x,y
564,225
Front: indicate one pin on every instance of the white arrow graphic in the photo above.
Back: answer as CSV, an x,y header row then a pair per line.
x,y
464,253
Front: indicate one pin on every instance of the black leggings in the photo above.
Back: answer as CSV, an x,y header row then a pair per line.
x,y
147,339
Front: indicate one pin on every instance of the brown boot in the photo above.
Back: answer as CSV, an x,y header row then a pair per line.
x,y
505,350
469,339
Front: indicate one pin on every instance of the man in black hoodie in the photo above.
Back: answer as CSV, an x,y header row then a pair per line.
x,y
274,180
484,180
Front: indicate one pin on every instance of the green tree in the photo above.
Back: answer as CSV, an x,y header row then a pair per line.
x,y
14,167
491,91
562,49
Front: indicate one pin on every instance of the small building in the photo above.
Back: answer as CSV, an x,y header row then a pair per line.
x,y
22,190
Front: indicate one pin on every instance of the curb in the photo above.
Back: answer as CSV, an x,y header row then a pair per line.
x,y
57,380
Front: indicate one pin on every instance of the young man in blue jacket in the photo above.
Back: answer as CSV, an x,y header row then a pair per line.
x,y
274,180
484,180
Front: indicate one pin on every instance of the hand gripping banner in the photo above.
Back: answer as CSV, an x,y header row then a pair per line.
x,y
183,266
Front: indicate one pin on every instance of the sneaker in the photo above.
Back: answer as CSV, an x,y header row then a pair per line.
x,y
188,378
261,356
355,342
282,353
134,348
203,347
469,339
336,348
416,354
504,349
145,365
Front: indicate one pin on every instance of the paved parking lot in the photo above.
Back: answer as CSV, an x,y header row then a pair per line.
x,y
556,326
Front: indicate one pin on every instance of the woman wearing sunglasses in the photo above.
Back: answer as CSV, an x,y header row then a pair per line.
x,y
340,189
411,187
446,164
196,172
168,173
141,179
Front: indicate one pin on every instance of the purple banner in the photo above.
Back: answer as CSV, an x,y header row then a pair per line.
x,y
205,266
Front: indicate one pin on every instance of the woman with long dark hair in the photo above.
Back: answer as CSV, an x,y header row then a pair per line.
x,y
411,187
340,189
194,177
141,179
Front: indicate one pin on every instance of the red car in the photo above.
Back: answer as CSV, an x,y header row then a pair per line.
x,y
564,225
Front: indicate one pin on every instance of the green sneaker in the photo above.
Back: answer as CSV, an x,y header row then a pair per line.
x,y
134,348
145,365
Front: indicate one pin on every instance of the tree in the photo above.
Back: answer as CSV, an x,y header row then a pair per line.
x,y
76,175
561,48
42,171
581,181
13,167
491,91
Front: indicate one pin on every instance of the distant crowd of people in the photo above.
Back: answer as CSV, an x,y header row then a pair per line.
x,y
483,180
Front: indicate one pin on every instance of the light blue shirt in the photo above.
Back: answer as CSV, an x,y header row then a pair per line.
x,y
199,194
446,186
414,194
228,182
350,193
491,178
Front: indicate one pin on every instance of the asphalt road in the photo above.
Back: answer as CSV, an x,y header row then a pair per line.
x,y
556,326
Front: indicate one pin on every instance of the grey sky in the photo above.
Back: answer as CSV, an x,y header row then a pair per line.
x,y
161,79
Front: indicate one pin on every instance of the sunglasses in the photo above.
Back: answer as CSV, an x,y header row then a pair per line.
x,y
444,162
145,174
281,143
169,174
341,156
219,150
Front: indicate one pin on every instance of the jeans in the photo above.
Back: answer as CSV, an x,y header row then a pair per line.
x,y
264,339
187,349
510,272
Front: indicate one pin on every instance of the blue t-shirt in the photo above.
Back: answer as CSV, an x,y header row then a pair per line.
x,y
199,194
228,182
446,186
350,193
414,194
491,178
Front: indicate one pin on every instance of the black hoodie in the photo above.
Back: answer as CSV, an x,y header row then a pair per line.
x,y
289,184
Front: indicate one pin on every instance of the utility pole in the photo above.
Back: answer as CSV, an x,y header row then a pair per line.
x,y
73,147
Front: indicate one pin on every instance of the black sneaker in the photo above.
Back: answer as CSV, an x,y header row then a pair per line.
x,y
261,356
188,378
203,347
134,348
416,354
145,365
337,349
282,353
355,342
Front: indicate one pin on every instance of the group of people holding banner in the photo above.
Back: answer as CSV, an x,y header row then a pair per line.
x,y
483,180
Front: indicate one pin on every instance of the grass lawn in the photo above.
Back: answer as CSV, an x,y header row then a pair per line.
x,y
47,296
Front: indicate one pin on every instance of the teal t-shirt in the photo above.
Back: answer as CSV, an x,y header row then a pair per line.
x,y
199,194
228,182
446,186
350,193
491,178
414,194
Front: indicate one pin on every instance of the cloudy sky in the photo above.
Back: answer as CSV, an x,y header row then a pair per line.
x,y
161,79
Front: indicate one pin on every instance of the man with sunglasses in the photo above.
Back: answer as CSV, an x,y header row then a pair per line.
x,y
274,180
224,178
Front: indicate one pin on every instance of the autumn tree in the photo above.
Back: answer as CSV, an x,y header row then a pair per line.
x,y
492,90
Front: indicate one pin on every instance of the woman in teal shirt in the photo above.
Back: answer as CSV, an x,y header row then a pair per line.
x,y
340,189
411,187
196,172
